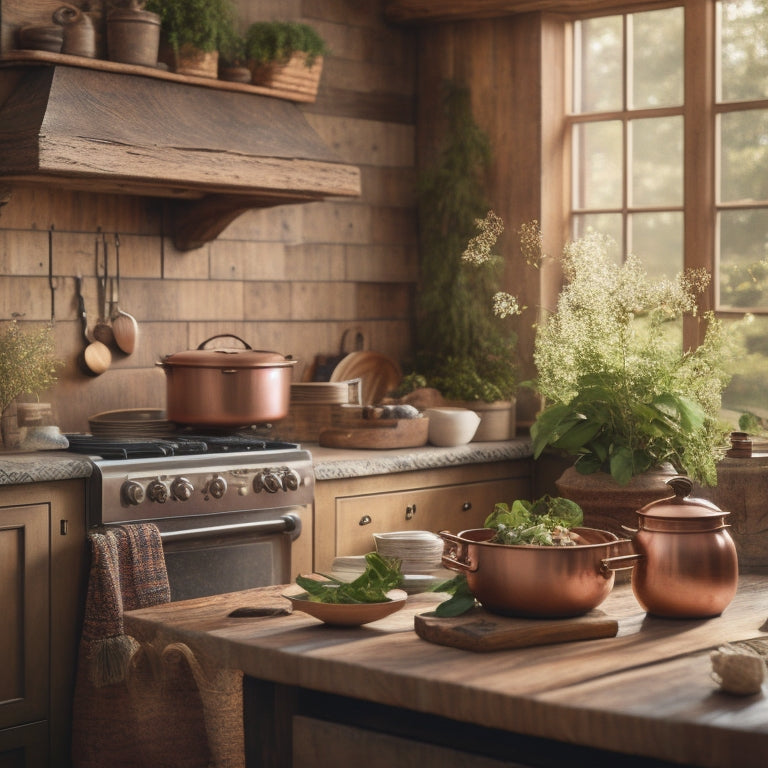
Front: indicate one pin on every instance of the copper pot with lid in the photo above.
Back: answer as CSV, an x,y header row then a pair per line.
x,y
685,562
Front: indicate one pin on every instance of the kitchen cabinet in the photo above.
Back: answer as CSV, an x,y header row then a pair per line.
x,y
42,578
349,511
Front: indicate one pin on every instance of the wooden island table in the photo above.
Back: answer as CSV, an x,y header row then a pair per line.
x,y
379,695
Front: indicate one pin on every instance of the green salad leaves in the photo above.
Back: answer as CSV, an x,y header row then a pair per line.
x,y
380,575
545,521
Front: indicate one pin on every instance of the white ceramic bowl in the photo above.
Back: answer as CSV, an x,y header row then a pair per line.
x,y
451,426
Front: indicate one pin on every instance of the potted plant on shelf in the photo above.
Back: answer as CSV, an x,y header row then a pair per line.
x,y
193,31
621,394
463,349
285,55
27,366
232,61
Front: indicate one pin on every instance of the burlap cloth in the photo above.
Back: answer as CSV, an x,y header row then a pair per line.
x,y
137,706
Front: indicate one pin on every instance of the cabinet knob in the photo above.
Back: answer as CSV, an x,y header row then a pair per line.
x,y
365,520
410,511
466,506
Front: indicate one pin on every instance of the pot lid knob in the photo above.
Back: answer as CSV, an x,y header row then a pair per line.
x,y
681,485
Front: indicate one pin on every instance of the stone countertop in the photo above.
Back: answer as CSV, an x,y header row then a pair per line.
x,y
329,463
339,463
42,467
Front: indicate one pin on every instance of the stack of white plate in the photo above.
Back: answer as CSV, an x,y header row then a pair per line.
x,y
419,551
326,392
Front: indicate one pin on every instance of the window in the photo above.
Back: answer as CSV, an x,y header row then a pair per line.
x,y
669,147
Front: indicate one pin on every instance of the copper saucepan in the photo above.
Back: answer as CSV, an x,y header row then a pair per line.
x,y
532,580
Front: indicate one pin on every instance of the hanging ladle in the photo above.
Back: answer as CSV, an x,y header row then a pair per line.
x,y
124,325
95,357
102,330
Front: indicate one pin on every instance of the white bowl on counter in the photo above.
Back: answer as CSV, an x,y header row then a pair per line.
x,y
450,426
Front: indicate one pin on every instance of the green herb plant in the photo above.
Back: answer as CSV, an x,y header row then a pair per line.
x,y
381,574
621,393
27,361
202,24
463,348
277,41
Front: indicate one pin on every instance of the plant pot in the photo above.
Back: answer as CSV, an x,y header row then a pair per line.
x,y
133,36
192,61
291,76
608,505
497,419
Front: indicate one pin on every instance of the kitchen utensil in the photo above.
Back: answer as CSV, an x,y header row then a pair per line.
x,y
378,434
323,365
378,373
124,325
95,357
531,580
481,631
685,561
102,331
348,614
227,386
451,426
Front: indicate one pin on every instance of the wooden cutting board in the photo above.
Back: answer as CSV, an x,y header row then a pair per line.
x,y
479,630
378,433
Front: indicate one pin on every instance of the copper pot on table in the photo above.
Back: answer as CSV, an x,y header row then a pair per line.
x,y
685,562
535,581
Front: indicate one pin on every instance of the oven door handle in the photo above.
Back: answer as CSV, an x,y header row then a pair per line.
x,y
290,523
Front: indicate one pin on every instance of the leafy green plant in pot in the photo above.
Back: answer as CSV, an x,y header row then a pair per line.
x,y
194,30
463,349
621,393
285,54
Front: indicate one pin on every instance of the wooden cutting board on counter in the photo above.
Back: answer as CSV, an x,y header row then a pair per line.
x,y
377,433
481,631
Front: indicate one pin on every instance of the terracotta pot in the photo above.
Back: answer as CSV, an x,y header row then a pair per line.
x,y
531,580
192,61
608,505
497,419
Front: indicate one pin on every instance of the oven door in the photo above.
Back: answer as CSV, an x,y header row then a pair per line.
x,y
227,552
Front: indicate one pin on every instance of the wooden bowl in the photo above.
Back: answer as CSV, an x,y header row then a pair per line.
x,y
348,614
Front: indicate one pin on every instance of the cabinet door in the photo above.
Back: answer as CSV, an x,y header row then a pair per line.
x,y
453,508
24,598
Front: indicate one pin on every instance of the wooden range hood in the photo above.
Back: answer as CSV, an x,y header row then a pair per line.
x,y
214,153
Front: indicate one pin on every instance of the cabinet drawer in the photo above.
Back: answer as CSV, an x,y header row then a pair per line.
x,y
453,508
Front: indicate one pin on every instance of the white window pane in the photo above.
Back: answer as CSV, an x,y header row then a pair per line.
x,y
744,153
657,58
743,265
657,240
743,49
657,161
598,171
599,70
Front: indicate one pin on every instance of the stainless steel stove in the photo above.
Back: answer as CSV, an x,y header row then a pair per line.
x,y
230,508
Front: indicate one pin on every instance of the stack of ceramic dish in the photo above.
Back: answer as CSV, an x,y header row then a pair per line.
x,y
134,422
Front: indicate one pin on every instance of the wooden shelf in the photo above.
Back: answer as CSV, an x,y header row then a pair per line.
x,y
46,57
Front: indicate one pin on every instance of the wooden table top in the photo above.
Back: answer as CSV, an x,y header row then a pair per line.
x,y
647,691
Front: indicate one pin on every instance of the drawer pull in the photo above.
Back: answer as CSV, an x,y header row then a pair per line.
x,y
365,520
466,506
410,511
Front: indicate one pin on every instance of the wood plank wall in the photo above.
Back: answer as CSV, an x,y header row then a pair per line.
x,y
290,278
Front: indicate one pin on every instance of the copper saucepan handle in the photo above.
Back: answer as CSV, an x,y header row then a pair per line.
x,y
618,563
455,554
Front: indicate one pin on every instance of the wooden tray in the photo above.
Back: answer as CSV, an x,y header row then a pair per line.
x,y
378,434
482,631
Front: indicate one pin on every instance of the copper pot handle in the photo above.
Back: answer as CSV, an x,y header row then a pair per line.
x,y
607,566
226,336
455,554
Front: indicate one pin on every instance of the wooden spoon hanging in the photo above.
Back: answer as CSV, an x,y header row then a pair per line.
x,y
124,325
102,331
95,357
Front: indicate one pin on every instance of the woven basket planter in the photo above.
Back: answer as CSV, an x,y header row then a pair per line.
x,y
290,76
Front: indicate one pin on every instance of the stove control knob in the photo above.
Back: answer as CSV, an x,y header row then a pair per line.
x,y
291,479
182,489
157,491
217,487
133,493
267,480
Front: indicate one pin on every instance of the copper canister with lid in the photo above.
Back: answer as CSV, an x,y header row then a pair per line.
x,y
687,565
